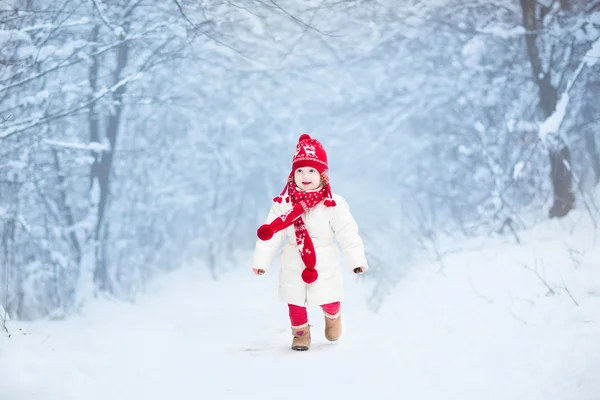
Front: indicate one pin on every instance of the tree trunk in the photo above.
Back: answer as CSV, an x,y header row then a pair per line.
x,y
65,209
14,274
592,149
8,249
562,182
101,172
96,169
590,141
560,157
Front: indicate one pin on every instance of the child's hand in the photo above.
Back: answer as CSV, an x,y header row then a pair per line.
x,y
359,270
258,271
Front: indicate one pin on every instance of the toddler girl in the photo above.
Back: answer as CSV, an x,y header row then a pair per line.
x,y
311,217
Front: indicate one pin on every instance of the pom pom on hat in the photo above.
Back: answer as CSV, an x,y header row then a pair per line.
x,y
304,136
265,232
309,275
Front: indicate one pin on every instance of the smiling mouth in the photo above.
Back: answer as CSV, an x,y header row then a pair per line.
x,y
306,183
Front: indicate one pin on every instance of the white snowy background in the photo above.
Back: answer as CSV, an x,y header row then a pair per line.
x,y
141,142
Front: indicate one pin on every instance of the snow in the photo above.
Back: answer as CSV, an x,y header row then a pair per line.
x,y
473,51
92,146
64,51
545,3
70,23
497,321
119,32
552,124
37,120
16,164
462,149
13,35
36,99
256,25
518,169
593,54
504,33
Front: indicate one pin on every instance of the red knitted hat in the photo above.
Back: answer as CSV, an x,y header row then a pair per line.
x,y
310,153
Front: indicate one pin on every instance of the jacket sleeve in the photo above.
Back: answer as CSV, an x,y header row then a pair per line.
x,y
346,233
265,250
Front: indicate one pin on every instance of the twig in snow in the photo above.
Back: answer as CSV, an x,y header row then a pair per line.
x,y
521,320
585,202
551,291
4,317
511,312
509,222
564,287
517,318
572,254
487,299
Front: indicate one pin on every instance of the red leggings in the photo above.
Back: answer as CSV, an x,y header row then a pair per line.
x,y
299,316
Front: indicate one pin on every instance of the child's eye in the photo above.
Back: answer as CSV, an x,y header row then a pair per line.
x,y
311,170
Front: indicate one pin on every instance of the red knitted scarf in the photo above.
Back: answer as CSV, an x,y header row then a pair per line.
x,y
301,202
303,240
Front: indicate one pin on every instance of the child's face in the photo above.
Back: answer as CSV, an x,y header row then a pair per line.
x,y
307,178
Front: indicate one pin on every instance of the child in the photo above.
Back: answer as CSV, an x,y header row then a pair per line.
x,y
311,217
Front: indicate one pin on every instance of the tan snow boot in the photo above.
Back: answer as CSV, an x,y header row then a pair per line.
x,y
333,327
301,340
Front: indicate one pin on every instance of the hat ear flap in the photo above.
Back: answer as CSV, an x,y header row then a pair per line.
x,y
329,202
279,199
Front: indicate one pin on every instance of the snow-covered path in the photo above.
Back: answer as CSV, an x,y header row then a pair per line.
x,y
486,327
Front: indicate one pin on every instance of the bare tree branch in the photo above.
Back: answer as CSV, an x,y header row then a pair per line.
x,y
304,24
213,38
244,8
32,124
593,7
131,9
65,64
110,26
10,62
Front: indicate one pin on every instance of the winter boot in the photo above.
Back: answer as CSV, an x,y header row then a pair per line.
x,y
301,340
333,327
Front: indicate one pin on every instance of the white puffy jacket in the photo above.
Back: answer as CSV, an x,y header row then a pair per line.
x,y
323,225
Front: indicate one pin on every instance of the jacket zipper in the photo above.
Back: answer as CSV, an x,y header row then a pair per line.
x,y
306,284
306,295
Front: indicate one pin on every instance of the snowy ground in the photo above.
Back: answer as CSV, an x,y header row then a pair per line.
x,y
499,321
